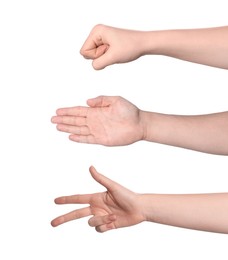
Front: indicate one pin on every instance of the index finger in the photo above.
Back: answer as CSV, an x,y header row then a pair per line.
x,y
94,45
74,199
73,111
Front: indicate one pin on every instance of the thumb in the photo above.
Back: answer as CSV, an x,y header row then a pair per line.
x,y
100,101
104,181
103,60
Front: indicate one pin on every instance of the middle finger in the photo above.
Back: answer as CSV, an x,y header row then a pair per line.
x,y
69,120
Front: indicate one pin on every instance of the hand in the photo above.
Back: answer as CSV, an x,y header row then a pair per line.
x,y
109,121
117,207
108,45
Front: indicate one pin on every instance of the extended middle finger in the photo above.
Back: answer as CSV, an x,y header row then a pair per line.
x,y
69,120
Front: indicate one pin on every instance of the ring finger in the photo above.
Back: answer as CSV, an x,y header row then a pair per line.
x,y
77,130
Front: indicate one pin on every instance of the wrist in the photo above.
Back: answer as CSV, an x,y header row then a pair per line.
x,y
153,42
159,128
143,124
147,207
147,42
147,125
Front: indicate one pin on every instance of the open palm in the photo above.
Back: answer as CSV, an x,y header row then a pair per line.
x,y
108,121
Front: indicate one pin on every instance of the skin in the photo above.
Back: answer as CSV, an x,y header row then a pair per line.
x,y
108,121
119,207
98,123
114,121
208,46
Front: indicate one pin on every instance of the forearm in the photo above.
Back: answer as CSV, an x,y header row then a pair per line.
x,y
205,46
207,212
204,133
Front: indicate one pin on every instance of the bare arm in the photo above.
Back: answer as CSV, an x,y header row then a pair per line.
x,y
205,46
107,45
113,121
208,212
205,133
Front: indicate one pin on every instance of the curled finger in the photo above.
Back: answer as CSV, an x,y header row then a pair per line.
x,y
105,227
101,220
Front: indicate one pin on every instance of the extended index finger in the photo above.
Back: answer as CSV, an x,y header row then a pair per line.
x,y
73,111
74,199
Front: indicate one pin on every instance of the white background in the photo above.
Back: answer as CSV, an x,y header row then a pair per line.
x,y
41,70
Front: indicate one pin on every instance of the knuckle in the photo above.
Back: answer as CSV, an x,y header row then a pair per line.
x,y
98,27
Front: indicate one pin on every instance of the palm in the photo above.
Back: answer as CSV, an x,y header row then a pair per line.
x,y
122,205
108,121
118,124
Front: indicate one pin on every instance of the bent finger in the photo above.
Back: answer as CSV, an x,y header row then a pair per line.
x,y
104,60
101,220
105,227
95,52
